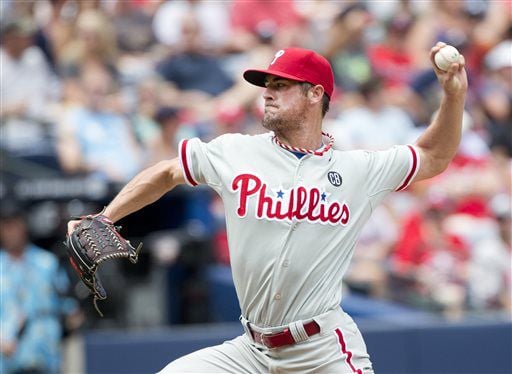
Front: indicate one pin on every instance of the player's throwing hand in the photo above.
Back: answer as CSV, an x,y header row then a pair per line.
x,y
454,80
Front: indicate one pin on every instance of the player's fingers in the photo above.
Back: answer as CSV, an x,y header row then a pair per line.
x,y
453,69
433,52
462,62
436,48
457,66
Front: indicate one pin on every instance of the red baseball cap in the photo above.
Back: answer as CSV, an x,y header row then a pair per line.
x,y
298,64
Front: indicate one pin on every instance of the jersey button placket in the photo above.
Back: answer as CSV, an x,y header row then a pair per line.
x,y
298,181
286,263
298,175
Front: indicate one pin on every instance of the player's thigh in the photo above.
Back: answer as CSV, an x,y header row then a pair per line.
x,y
345,352
339,349
233,356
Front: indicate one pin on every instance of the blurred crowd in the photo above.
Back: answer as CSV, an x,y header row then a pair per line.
x,y
104,89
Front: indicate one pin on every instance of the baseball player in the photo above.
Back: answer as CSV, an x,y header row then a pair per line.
x,y
294,209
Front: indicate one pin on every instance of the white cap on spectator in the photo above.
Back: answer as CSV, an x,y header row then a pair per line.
x,y
501,205
500,56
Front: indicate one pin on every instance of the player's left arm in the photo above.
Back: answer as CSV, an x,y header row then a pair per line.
x,y
439,143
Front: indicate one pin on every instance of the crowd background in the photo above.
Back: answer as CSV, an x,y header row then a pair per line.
x,y
94,91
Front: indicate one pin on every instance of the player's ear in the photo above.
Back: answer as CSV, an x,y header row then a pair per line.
x,y
316,93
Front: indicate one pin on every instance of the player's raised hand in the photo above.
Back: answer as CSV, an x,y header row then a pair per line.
x,y
454,79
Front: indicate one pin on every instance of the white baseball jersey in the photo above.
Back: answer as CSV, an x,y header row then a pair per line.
x,y
292,223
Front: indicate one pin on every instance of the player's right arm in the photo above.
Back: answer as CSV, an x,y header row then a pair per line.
x,y
145,188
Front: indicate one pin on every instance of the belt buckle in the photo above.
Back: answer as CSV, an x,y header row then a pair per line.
x,y
264,340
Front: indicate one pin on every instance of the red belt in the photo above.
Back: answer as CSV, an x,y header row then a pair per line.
x,y
283,338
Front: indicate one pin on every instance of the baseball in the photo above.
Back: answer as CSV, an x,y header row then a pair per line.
x,y
446,56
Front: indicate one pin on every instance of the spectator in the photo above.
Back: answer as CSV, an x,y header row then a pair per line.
x,y
136,42
428,263
192,71
133,28
212,18
33,300
254,21
489,273
421,228
94,137
31,9
374,124
165,146
391,58
346,47
496,97
229,119
28,88
470,214
367,273
442,277
318,17
148,98
94,44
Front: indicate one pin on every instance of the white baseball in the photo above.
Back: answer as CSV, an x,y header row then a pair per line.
x,y
446,56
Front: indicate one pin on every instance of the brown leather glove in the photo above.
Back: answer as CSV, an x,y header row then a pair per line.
x,y
94,240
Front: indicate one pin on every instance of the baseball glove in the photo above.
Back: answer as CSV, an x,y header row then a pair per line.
x,y
94,240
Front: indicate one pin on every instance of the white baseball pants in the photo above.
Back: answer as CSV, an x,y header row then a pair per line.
x,y
338,348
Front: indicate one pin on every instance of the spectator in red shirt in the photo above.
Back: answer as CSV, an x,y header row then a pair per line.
x,y
255,20
391,59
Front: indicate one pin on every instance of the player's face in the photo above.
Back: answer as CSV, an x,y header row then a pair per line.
x,y
285,104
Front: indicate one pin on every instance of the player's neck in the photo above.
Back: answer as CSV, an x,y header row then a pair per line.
x,y
304,138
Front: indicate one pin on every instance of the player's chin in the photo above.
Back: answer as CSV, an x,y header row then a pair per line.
x,y
269,113
271,123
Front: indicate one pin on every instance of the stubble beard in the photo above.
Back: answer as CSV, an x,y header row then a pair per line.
x,y
281,122
273,123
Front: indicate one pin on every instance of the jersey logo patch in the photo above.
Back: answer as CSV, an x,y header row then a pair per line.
x,y
335,178
301,203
